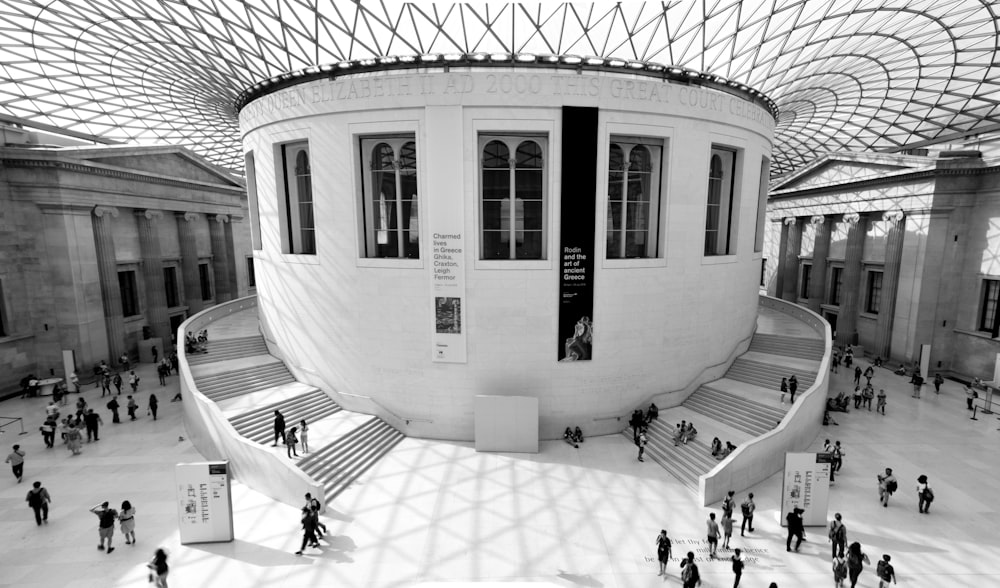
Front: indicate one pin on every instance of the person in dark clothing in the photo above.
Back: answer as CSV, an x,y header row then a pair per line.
x,y
117,381
113,407
689,571
92,420
309,524
795,528
279,428
637,422
857,375
793,385
156,353
38,499
154,404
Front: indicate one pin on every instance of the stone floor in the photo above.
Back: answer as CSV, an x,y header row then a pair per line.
x,y
438,513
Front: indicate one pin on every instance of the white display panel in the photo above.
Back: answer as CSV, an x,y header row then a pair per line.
x,y
806,485
507,423
204,502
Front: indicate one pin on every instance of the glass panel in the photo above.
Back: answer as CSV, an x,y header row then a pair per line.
x,y
408,156
496,184
614,235
492,214
496,156
529,155
635,244
411,222
308,241
529,245
493,247
528,184
529,215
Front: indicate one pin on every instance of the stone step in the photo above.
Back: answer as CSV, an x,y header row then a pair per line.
x,y
258,425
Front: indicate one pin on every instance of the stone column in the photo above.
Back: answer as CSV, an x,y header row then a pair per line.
x,y
189,261
152,275
107,269
847,320
821,249
221,257
779,274
231,268
791,259
890,282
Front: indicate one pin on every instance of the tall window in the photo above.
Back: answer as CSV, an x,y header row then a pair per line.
x,y
719,219
836,282
299,228
513,197
251,177
392,222
129,294
633,197
989,318
170,285
805,281
765,170
251,277
4,329
874,299
205,276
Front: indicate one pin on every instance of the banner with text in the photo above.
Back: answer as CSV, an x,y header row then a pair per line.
x,y
806,485
576,251
448,285
204,502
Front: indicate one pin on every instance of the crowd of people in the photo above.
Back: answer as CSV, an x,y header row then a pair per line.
x,y
291,437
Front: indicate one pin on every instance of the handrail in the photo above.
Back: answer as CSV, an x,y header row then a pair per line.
x,y
13,420
408,420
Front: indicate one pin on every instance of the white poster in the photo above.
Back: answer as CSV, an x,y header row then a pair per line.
x,y
204,502
806,485
448,295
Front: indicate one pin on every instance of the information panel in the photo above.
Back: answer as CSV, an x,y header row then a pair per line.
x,y
576,251
204,502
806,485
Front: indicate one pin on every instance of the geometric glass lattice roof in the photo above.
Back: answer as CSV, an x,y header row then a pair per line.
x,y
853,75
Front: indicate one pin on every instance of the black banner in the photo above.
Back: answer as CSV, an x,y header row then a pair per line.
x,y
576,247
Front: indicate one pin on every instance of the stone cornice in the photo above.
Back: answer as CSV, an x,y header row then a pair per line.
x,y
892,178
111,172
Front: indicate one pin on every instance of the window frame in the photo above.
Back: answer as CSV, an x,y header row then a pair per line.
x,y
873,304
292,198
404,228
729,201
512,140
994,321
654,249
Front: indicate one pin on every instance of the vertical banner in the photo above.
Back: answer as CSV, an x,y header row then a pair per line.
x,y
204,502
925,362
806,485
576,247
447,222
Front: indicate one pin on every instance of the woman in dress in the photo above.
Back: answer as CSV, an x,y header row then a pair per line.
x,y
158,569
73,437
127,520
663,550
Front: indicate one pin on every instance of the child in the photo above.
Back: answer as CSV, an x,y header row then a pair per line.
x,y
727,528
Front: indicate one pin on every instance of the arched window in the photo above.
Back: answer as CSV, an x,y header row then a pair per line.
x,y
513,214
633,197
298,233
719,218
392,226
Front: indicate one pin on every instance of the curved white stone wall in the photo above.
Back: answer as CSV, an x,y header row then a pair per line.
x,y
364,327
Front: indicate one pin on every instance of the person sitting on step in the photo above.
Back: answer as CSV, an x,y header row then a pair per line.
x,y
689,433
568,437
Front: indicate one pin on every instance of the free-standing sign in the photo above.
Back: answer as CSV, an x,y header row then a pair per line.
x,y
576,251
806,485
204,502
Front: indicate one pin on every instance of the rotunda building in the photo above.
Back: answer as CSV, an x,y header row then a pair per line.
x,y
586,233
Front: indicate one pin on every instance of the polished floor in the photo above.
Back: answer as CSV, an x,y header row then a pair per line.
x,y
435,513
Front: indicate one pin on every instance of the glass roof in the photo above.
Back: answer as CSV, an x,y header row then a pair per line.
x,y
859,75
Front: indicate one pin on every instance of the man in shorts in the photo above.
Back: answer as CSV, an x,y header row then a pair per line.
x,y
106,527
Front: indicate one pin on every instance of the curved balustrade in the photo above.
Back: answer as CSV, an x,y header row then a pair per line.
x,y
253,464
760,458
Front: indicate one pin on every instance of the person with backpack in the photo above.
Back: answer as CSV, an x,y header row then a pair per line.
x,y
747,508
106,527
38,499
737,566
887,484
856,560
885,572
689,572
837,535
924,494
839,570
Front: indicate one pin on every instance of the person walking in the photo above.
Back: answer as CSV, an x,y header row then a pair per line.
x,y
48,430
857,375
918,382
713,534
795,528
162,372
784,389
924,495
636,422
970,396
855,562
689,571
133,381
838,457
642,443
869,374
154,405
291,440
867,395
304,436
106,527
938,380
132,406
74,437
737,560
279,428
839,571
887,484
880,402
38,499
16,461
93,421
793,385
117,381
155,352
663,551
885,572
727,529
837,535
127,522
747,509
158,568
308,530
728,504
113,406
315,506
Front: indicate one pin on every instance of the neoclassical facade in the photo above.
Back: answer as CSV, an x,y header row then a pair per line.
x,y
106,249
897,252
588,237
